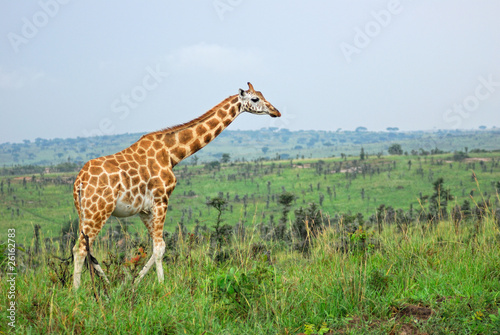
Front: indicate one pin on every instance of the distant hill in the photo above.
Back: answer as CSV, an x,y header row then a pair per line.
x,y
269,143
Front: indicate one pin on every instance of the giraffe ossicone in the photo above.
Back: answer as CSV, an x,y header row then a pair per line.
x,y
139,179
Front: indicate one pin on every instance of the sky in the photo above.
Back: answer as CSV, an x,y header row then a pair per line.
x,y
84,68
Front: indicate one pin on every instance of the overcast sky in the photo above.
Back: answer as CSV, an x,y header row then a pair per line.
x,y
83,68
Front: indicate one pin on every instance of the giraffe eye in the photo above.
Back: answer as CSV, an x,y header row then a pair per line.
x,y
255,99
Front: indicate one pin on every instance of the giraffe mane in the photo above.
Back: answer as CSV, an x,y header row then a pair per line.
x,y
199,119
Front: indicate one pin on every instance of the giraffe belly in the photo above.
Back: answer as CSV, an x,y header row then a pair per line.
x,y
123,210
125,207
128,206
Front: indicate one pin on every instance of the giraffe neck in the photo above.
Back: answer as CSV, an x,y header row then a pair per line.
x,y
184,140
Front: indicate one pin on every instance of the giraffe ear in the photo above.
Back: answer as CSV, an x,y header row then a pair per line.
x,y
242,93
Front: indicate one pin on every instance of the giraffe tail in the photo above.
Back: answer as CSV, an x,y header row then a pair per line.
x,y
80,201
90,258
81,211
80,218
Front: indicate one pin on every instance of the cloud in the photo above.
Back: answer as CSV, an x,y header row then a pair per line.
x,y
214,57
17,79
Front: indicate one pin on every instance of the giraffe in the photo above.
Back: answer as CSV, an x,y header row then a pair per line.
x,y
139,179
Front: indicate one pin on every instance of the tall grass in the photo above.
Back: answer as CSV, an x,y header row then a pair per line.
x,y
433,279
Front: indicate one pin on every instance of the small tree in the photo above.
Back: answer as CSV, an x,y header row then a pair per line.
x,y
213,165
285,199
220,205
308,223
395,149
225,158
459,156
321,199
438,201
281,232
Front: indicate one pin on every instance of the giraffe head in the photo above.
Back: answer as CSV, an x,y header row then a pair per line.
x,y
254,102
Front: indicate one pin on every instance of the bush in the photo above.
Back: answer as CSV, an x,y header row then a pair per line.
x,y
395,149
459,156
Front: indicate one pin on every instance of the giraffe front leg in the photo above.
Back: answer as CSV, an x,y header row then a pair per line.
x,y
154,222
159,251
145,269
156,257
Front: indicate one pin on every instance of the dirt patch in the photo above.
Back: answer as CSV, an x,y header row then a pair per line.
x,y
419,313
471,160
415,313
477,159
352,169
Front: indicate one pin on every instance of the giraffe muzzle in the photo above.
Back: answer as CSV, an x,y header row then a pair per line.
x,y
275,113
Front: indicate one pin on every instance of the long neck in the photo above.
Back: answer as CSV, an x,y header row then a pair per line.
x,y
184,140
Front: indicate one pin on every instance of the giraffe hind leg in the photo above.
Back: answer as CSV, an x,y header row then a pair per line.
x,y
92,260
79,259
80,254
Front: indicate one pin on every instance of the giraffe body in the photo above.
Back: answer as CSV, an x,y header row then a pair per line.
x,y
140,179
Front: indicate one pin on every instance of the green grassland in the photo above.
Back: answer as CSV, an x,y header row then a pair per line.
x,y
423,280
252,189
363,271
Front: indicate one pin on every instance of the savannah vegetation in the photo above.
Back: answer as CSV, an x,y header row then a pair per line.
x,y
268,143
362,242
